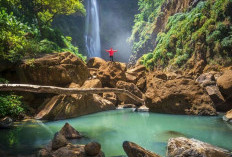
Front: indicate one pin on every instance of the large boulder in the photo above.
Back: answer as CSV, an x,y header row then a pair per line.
x,y
75,105
94,83
59,69
69,132
63,107
111,72
208,81
177,96
135,73
96,62
134,150
182,146
131,87
225,85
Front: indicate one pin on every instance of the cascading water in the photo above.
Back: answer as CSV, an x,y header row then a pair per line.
x,y
92,34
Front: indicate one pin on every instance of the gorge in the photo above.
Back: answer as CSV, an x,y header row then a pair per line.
x,y
168,92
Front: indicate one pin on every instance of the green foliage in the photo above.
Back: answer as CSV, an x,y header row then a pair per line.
x,y
19,40
145,21
11,105
207,27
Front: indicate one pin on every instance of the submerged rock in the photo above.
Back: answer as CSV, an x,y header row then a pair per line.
x,y
182,147
69,132
6,122
228,116
92,149
134,150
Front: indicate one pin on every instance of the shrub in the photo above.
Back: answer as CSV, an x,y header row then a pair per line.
x,y
11,105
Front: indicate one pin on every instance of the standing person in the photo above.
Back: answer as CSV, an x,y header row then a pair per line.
x,y
111,53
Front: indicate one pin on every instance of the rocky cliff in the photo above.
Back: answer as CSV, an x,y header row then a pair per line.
x,y
182,34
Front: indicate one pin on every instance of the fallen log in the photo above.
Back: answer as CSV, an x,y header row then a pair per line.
x,y
66,91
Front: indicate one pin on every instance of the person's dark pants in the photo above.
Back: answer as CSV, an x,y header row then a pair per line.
x,y
111,58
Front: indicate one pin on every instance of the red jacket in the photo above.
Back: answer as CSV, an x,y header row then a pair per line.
x,y
111,51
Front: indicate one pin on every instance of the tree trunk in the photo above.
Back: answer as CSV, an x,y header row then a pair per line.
x,y
65,91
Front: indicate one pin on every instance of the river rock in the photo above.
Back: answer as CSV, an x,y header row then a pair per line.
x,y
92,148
178,96
131,87
6,122
69,132
59,69
182,146
59,141
134,150
228,116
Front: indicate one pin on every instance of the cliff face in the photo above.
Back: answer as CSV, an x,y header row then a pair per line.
x,y
166,8
187,34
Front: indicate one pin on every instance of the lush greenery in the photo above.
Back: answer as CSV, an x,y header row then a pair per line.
x,y
204,30
25,30
145,22
11,105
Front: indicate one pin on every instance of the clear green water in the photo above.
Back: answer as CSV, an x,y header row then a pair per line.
x,y
111,128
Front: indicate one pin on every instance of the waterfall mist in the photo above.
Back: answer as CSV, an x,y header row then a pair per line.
x,y
116,22
92,32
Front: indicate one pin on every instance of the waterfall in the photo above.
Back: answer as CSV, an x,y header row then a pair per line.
x,y
92,33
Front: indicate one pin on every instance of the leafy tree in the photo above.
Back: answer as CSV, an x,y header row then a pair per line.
x,y
43,12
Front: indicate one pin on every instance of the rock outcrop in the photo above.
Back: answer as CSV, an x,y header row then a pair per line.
x,y
134,74
109,73
59,69
177,96
69,132
63,107
182,146
134,150
208,81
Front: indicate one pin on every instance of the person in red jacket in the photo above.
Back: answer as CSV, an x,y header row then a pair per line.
x,y
111,53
